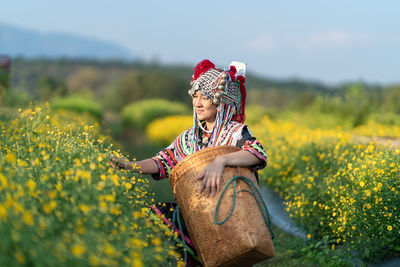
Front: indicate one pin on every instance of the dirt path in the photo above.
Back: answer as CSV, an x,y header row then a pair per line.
x,y
395,142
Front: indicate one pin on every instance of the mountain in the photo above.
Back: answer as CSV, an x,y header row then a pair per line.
x,y
15,41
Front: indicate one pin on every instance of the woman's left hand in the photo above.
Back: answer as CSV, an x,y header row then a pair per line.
x,y
211,177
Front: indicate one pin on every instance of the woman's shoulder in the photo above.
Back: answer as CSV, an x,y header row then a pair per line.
x,y
240,130
237,127
187,131
185,134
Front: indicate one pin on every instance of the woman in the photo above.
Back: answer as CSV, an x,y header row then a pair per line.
x,y
219,112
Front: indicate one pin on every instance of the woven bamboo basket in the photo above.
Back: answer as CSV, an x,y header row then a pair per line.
x,y
244,238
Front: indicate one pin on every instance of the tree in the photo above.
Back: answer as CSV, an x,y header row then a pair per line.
x,y
5,64
84,78
138,85
49,87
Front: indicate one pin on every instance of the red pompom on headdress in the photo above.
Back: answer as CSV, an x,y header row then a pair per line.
x,y
201,68
232,72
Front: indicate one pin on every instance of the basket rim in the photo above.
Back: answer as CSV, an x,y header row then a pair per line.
x,y
205,150
200,152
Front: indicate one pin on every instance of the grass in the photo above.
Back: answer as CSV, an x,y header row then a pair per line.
x,y
287,250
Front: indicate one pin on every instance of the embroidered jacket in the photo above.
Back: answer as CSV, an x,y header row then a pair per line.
x,y
234,134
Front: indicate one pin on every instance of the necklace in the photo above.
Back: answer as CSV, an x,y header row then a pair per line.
x,y
202,128
206,137
205,140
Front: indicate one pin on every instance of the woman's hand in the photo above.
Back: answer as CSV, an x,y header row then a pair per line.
x,y
212,174
121,163
211,177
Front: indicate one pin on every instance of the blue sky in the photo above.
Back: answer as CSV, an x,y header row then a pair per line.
x,y
329,41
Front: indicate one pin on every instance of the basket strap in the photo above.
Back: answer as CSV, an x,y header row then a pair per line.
x,y
169,223
176,217
176,238
254,192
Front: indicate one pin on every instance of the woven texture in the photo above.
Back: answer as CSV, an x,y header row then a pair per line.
x,y
207,84
244,239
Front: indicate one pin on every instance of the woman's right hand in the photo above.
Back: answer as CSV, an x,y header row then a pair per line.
x,y
121,163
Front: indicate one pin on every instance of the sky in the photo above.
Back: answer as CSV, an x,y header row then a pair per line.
x,y
327,41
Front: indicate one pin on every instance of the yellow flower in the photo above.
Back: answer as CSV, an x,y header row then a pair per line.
x,y
3,212
49,207
78,250
59,186
77,162
4,182
128,186
31,184
308,236
156,241
92,166
20,257
28,218
94,261
84,208
389,228
137,262
362,184
11,157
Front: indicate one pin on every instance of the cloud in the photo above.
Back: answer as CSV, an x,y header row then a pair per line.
x,y
331,39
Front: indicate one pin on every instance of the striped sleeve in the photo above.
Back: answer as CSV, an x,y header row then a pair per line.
x,y
165,160
251,144
255,148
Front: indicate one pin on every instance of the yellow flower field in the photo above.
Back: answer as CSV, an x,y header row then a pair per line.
x,y
62,205
336,188
164,131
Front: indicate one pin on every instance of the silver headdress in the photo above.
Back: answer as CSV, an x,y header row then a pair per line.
x,y
218,85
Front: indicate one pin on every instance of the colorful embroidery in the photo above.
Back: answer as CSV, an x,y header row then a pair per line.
x,y
183,146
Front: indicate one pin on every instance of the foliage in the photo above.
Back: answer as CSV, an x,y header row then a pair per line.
x,y
335,186
391,100
15,98
4,80
322,253
4,73
138,85
140,114
60,203
78,104
374,129
164,131
49,88
115,84
354,106
254,113
84,78
386,118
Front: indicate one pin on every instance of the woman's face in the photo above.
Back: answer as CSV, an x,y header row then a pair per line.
x,y
204,107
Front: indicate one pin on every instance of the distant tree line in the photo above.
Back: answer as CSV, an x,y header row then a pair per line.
x,y
5,64
116,84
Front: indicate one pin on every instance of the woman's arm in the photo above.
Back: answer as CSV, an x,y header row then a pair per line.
x,y
147,166
212,174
